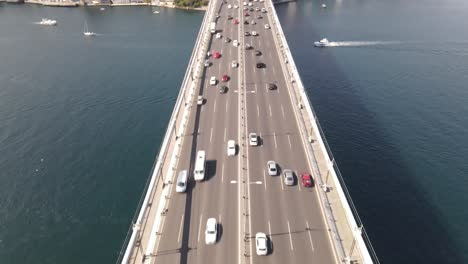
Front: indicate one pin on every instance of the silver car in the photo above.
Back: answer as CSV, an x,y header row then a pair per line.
x,y
288,177
272,168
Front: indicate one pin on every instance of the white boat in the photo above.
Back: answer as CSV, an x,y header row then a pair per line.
x,y
48,22
102,8
88,33
156,12
324,6
322,43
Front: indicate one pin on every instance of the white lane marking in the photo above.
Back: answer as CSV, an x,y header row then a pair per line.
x,y
269,106
219,65
214,106
233,181
256,88
264,178
310,236
290,237
281,180
220,219
225,134
274,135
298,182
256,182
269,230
222,174
289,139
282,109
274,72
211,134
199,228
258,111
180,228
227,105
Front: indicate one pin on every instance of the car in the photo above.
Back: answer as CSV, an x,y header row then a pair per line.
x,y
250,4
306,179
248,46
257,8
229,17
245,3
260,65
251,9
208,54
254,33
213,80
223,89
217,15
261,242
200,100
288,177
246,22
231,148
236,21
235,6
261,1
207,63
225,78
235,43
234,64
216,55
253,139
246,33
211,231
264,10
181,185
259,17
253,22
246,8
227,40
218,35
267,26
272,168
258,53
229,6
271,86
246,14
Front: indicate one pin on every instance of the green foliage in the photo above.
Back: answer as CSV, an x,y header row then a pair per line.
x,y
191,3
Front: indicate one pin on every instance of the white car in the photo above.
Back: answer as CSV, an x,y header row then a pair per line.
x,y
253,139
250,4
288,177
231,148
236,6
213,80
218,35
211,231
245,3
267,26
272,168
261,242
253,22
181,185
200,100
234,64
207,63
263,10
235,43
229,6
254,33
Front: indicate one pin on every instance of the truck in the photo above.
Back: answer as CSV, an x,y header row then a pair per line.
x,y
199,172
213,27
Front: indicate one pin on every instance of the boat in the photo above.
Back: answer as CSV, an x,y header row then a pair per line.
x,y
88,33
322,43
48,22
156,12
324,6
102,8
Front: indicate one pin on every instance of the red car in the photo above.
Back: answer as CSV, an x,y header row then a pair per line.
x,y
225,78
236,21
217,55
247,14
306,179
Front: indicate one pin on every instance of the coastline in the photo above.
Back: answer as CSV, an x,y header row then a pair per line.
x,y
81,3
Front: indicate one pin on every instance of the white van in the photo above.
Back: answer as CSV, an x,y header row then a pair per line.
x,y
181,185
199,172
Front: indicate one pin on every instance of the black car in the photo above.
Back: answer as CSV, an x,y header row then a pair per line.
x,y
229,17
227,40
223,89
246,22
247,33
260,65
248,46
258,53
259,17
272,86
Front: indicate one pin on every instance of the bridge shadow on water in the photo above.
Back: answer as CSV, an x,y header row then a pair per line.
x,y
403,225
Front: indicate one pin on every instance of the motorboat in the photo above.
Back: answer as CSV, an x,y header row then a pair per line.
x,y
102,8
156,12
48,22
322,43
324,6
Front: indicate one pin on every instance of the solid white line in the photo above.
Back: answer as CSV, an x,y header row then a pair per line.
x,y
298,183
264,178
281,180
282,109
256,90
211,134
289,139
274,135
220,219
180,228
258,111
290,237
227,106
269,106
222,174
310,236
214,106
225,134
199,228
269,230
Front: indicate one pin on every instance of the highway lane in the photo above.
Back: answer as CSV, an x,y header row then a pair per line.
x,y
290,214
213,124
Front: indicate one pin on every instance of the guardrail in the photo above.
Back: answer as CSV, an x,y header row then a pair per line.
x,y
360,236
171,133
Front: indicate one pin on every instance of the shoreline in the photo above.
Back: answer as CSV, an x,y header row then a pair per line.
x,y
78,4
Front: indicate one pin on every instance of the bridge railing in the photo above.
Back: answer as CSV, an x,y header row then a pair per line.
x,y
361,239
156,175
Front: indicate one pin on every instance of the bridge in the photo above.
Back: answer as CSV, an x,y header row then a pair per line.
x,y
264,95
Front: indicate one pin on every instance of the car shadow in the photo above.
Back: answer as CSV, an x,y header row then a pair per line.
x,y
210,169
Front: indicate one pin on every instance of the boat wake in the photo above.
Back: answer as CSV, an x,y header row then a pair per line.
x,y
360,43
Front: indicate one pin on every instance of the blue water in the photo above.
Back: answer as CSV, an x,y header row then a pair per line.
x,y
81,120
